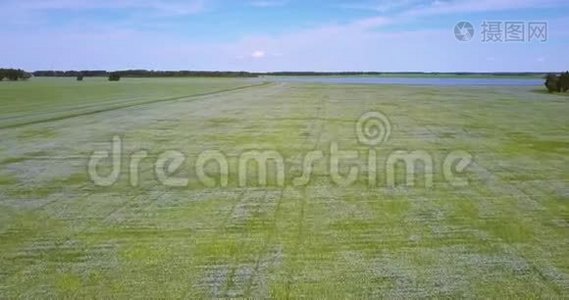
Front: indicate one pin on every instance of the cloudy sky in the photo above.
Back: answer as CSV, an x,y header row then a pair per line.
x,y
283,35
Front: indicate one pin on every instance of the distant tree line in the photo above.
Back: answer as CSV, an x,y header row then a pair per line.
x,y
14,74
94,73
397,73
141,73
557,83
150,73
146,73
319,73
553,83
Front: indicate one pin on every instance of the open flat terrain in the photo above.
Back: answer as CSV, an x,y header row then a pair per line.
x,y
505,233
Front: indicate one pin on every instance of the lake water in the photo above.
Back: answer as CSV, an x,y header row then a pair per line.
x,y
420,81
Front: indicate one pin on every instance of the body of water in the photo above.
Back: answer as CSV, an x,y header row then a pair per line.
x,y
419,81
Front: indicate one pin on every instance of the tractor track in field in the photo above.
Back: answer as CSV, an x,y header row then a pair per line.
x,y
226,284
129,105
248,287
318,124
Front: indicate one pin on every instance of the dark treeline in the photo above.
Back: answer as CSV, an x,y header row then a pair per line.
x,y
397,73
150,73
93,73
557,83
14,74
554,82
145,73
142,73
319,73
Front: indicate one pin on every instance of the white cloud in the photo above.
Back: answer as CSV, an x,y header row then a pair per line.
x,y
258,54
173,7
381,6
268,3
417,8
474,6
370,23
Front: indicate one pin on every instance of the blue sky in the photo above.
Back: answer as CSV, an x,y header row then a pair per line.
x,y
277,35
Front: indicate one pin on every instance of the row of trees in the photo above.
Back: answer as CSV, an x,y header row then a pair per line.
x,y
151,73
92,73
142,73
112,77
557,83
398,73
14,74
18,74
553,82
147,73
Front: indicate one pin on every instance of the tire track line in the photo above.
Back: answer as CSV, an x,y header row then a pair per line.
x,y
273,232
249,286
321,119
102,110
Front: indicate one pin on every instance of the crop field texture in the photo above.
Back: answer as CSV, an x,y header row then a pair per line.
x,y
504,233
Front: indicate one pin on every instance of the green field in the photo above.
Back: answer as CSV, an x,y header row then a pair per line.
x,y
504,234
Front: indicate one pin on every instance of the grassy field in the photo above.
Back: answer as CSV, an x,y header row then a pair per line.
x,y
504,234
54,99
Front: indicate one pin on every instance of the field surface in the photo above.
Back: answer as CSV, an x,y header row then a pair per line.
x,y
505,233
